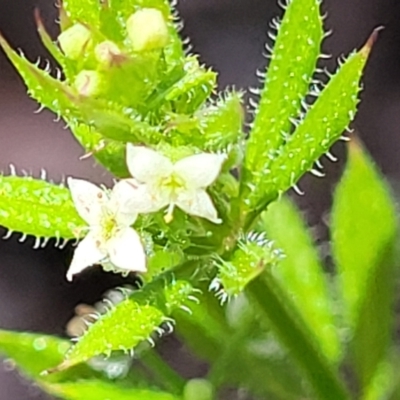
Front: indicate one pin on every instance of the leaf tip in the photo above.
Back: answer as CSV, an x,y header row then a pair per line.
x,y
60,367
365,51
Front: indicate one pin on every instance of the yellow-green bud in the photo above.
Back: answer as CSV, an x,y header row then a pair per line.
x,y
89,83
147,30
74,41
108,53
198,389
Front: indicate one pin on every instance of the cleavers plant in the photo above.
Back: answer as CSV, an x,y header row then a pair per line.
x,y
197,211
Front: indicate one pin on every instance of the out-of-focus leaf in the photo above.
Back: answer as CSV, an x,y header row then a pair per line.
x,y
99,390
364,229
32,353
300,273
278,311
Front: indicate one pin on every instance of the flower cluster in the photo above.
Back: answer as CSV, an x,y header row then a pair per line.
x,y
156,183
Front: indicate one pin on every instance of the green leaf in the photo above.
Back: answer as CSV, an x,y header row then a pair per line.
x,y
221,123
293,61
277,310
34,352
364,230
324,124
35,207
301,275
49,92
99,390
134,320
109,153
190,92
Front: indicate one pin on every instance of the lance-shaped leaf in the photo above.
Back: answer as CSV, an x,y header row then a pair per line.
x,y
96,389
222,123
33,352
35,207
193,89
301,274
293,61
324,124
134,320
52,48
110,153
364,231
277,310
49,92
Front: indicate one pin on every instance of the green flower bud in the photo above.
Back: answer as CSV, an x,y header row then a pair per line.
x,y
147,30
198,389
108,54
74,41
89,83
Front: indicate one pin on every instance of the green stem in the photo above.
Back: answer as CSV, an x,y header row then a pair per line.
x,y
275,307
164,374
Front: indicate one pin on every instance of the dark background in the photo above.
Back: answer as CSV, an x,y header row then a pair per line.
x,y
229,35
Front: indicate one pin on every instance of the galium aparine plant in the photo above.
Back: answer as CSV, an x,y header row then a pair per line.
x,y
198,212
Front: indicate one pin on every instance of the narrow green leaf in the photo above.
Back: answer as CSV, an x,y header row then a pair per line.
x,y
87,11
293,61
35,207
300,274
49,92
134,320
33,352
364,230
190,92
279,312
110,153
324,123
114,124
222,123
52,48
99,390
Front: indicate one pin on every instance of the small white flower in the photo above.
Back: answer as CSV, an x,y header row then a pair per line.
x,y
161,183
110,239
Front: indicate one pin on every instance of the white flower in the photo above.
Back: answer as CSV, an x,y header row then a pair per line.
x,y
161,183
110,239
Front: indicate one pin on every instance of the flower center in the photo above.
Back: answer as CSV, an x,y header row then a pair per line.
x,y
108,225
172,182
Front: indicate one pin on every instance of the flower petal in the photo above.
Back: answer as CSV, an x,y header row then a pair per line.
x,y
126,251
120,203
146,165
200,170
144,198
198,203
86,254
88,198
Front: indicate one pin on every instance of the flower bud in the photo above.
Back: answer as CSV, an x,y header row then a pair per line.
x,y
88,83
108,54
198,389
147,30
74,41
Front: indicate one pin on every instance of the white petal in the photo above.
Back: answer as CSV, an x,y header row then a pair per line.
x,y
88,198
126,252
86,254
142,199
146,165
199,204
120,203
200,170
